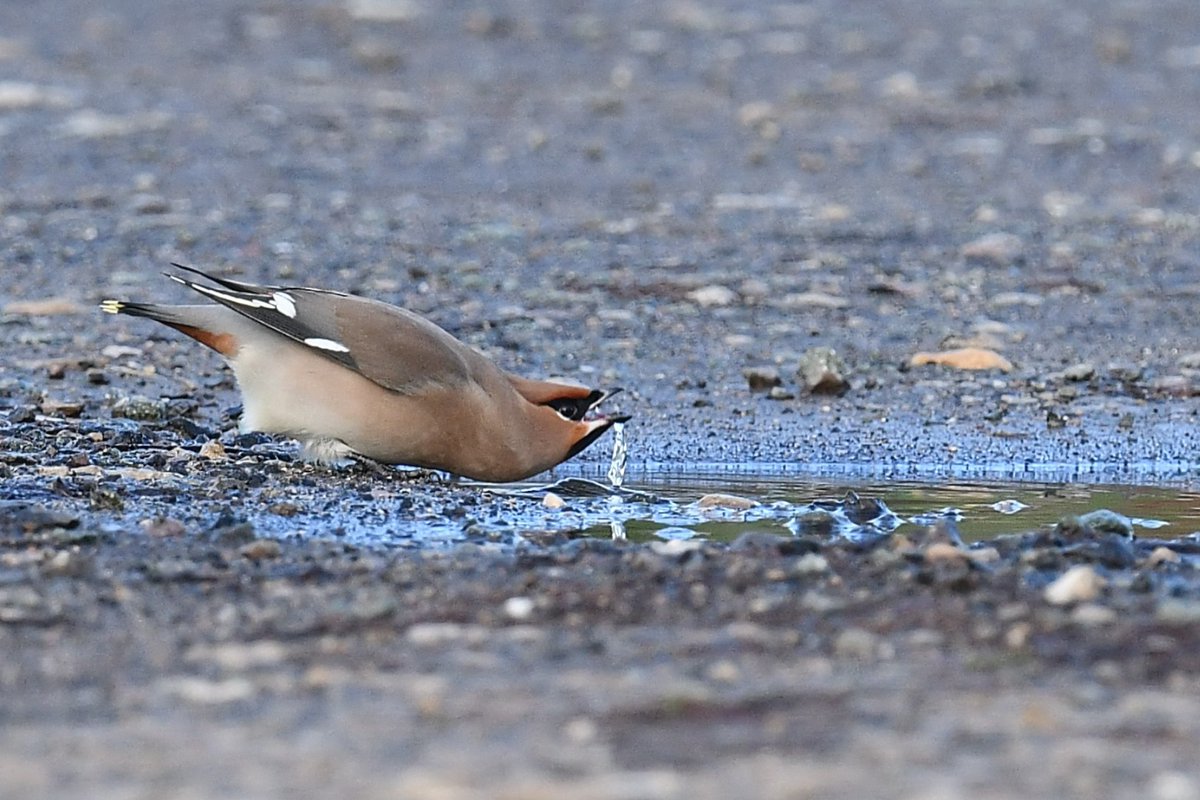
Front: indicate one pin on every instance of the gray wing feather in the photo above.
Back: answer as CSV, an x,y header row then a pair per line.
x,y
391,346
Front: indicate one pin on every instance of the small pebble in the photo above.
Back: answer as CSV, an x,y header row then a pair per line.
x,y
799,300
1174,785
204,692
1017,636
139,408
61,408
856,643
1162,555
1079,584
969,358
944,551
716,500
427,634
1104,521
762,379
213,450
811,564
581,730
162,527
711,296
1178,611
822,371
675,547
1093,615
44,307
1080,372
998,248
985,555
1189,360
518,608
552,500
260,549
724,671
120,351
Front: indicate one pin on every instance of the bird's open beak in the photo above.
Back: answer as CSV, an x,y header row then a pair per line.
x,y
594,415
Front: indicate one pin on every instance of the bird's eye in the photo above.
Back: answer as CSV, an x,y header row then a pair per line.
x,y
569,409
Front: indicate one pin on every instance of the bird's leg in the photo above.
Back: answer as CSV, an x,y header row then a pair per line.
x,y
393,474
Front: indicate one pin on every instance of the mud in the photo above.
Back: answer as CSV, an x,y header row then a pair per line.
x,y
654,197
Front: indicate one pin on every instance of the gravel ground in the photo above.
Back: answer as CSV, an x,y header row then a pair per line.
x,y
656,196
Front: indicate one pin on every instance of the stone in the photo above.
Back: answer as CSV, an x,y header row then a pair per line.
x,y
384,10
204,692
762,379
797,300
260,549
519,608
1079,584
19,95
1162,555
944,551
968,358
1173,785
44,307
821,371
1079,372
1000,249
1178,611
162,527
675,547
712,296
1104,521
213,450
731,501
91,124
1093,615
61,408
856,643
139,408
811,564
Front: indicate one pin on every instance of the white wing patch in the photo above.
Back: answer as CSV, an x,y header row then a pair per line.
x,y
229,298
326,344
284,303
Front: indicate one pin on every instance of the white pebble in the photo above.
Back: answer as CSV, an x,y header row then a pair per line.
x,y
1077,585
519,608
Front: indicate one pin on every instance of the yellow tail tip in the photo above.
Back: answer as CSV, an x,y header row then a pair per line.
x,y
111,306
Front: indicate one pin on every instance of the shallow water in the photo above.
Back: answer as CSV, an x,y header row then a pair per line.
x,y
666,506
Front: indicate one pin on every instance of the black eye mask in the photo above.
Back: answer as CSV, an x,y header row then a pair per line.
x,y
575,408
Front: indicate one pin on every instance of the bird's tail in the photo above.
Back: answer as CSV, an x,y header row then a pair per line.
x,y
164,314
197,322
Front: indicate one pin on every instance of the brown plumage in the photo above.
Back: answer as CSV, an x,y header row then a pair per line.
x,y
346,375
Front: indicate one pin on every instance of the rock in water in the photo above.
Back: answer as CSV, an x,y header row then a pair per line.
x,y
821,371
762,379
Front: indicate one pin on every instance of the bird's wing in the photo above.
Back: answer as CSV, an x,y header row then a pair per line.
x,y
393,347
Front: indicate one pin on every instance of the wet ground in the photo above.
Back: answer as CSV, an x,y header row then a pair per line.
x,y
659,197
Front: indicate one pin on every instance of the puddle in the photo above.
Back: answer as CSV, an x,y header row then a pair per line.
x,y
643,505
662,506
667,507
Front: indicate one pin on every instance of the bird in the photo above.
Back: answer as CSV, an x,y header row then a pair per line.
x,y
353,377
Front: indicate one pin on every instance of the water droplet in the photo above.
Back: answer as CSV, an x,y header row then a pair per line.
x,y
620,454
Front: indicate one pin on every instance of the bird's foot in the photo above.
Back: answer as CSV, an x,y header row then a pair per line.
x,y
405,474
